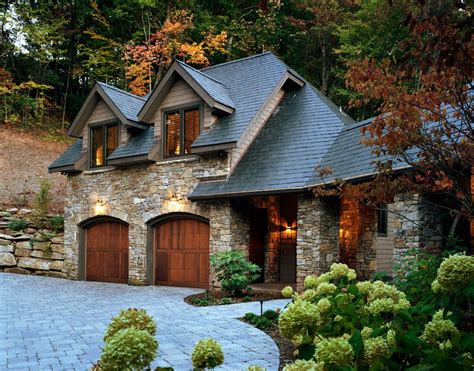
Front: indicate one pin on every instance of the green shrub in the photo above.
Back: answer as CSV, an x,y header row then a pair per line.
x,y
455,273
302,365
225,301
340,323
260,322
56,223
129,349
132,317
201,302
256,368
207,353
42,199
271,315
287,292
234,271
17,225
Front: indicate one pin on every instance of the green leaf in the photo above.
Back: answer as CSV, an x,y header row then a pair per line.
x,y
357,344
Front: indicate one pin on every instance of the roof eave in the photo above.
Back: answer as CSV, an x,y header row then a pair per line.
x,y
226,195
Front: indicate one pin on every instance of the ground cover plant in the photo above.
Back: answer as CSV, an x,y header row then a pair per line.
x,y
221,298
339,323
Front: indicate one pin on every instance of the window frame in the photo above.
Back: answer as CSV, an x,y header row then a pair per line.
x,y
382,208
181,109
106,125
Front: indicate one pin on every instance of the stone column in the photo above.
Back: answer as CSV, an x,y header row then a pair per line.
x,y
417,227
317,245
137,232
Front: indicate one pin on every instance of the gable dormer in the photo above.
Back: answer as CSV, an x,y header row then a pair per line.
x,y
185,103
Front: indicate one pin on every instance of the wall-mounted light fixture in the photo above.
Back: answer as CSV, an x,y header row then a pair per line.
x,y
100,207
288,231
174,202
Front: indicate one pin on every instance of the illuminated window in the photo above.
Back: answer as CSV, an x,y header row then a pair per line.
x,y
104,140
181,130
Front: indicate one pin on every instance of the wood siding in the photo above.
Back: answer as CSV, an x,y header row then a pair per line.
x,y
255,126
180,94
385,245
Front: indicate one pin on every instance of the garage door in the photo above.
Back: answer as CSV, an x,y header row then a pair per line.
x,y
182,253
107,252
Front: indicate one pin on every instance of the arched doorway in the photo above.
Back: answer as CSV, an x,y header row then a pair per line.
x,y
179,250
104,250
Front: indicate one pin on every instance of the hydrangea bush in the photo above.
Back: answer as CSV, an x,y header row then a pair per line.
x,y
129,349
132,317
207,354
337,322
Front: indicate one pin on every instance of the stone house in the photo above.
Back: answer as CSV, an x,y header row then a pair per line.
x,y
217,159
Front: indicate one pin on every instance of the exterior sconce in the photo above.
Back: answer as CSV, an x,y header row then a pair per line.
x,y
174,202
288,231
100,207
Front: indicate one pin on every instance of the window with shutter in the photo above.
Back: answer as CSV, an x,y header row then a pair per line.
x,y
181,130
104,140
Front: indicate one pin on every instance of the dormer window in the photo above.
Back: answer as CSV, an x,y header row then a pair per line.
x,y
104,140
180,131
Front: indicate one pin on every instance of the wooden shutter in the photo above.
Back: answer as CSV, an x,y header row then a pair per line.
x,y
173,131
112,139
191,128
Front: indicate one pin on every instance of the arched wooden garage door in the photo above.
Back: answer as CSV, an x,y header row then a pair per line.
x,y
181,249
107,252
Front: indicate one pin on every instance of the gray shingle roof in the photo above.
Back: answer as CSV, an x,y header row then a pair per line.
x,y
129,104
136,146
286,151
216,89
349,159
249,82
69,156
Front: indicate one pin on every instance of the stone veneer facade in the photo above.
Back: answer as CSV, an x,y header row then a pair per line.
x,y
137,195
317,245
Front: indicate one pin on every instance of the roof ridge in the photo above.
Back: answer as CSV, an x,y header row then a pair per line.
x,y
121,91
202,73
238,60
359,124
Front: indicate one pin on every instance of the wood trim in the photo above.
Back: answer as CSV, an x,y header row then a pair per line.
x,y
160,91
181,108
130,160
213,147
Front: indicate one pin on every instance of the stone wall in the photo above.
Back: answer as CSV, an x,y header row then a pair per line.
x,y
317,236
33,250
136,195
357,234
417,225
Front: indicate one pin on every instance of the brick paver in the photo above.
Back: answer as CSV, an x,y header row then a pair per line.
x,y
55,324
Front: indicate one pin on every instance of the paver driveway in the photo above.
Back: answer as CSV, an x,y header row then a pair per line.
x,y
49,323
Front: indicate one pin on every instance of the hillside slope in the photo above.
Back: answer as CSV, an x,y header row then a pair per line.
x,y
24,160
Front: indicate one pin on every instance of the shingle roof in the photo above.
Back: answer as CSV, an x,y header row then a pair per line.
x,y
69,156
349,159
216,89
129,104
249,82
139,145
284,154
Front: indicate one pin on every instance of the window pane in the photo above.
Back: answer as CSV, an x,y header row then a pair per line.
x,y
191,128
97,146
382,225
172,129
112,139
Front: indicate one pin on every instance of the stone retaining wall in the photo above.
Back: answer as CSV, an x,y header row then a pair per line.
x,y
33,250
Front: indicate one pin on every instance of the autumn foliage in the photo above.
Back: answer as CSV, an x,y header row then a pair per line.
x,y
426,102
146,62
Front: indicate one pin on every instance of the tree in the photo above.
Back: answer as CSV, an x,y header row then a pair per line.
x,y
148,60
426,114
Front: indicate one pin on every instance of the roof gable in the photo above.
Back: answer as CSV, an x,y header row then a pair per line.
x,y
212,91
124,105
